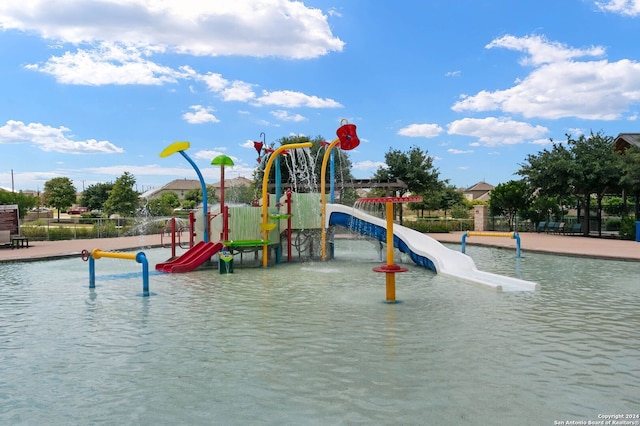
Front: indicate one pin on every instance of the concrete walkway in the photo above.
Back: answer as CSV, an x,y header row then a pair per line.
x,y
568,245
42,250
532,242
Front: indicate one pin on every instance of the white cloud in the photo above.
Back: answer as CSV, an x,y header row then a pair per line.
x,y
51,139
276,27
623,7
291,99
421,130
492,131
560,87
459,151
214,81
453,74
200,115
238,91
368,165
540,51
107,64
285,116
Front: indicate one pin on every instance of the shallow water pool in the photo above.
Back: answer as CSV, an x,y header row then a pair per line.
x,y
313,343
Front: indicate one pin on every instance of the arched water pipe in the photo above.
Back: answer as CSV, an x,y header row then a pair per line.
x,y
348,140
181,147
264,226
332,174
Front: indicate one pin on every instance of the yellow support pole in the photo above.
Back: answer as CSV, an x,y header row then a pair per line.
x,y
323,198
265,179
390,276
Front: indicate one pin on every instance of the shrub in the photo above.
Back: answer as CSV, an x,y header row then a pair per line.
x,y
442,226
627,228
612,224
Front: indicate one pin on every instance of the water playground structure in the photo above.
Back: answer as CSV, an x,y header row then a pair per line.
x,y
294,226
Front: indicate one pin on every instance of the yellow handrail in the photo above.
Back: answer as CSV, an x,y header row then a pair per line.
x,y
97,254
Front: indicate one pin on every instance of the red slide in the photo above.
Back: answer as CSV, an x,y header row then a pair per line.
x,y
191,259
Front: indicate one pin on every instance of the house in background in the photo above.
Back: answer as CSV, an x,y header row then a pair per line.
x,y
180,187
230,183
625,140
480,191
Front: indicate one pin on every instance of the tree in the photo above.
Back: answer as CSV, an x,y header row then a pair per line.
x,y
551,174
59,193
450,197
193,198
123,200
156,207
170,199
630,179
23,201
508,199
598,169
415,168
581,167
94,196
542,208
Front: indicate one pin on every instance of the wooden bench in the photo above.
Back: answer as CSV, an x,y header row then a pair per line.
x,y
18,241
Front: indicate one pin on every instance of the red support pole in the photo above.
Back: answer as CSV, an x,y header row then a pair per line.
x,y
288,201
173,237
225,224
192,232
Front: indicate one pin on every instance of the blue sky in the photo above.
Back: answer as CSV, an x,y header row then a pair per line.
x,y
91,89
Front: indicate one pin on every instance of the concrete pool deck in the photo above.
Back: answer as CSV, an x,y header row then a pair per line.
x,y
45,250
604,248
567,245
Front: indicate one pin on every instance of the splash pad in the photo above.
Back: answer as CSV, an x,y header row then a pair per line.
x,y
305,230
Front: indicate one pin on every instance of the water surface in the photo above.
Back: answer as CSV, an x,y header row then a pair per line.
x,y
313,343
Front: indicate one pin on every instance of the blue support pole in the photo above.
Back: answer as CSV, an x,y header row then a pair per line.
x,y
517,237
142,259
205,201
332,177
464,241
92,272
278,180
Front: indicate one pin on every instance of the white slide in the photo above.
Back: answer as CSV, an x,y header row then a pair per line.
x,y
424,250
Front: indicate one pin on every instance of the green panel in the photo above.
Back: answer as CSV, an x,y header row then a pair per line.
x,y
305,211
244,224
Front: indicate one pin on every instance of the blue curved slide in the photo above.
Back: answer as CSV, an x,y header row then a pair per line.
x,y
423,250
